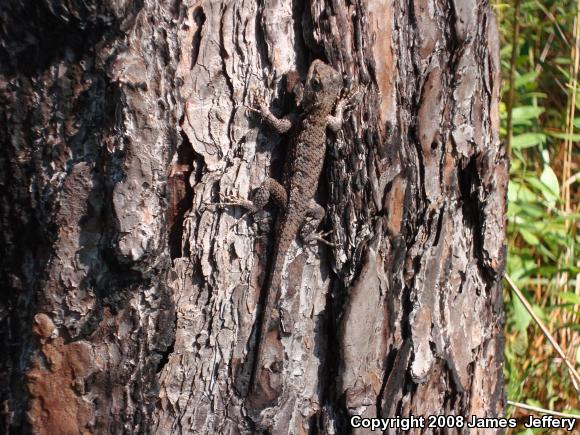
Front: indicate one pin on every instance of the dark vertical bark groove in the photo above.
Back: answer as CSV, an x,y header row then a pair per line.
x,y
130,300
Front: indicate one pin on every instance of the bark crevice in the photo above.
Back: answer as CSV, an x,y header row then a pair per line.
x,y
121,126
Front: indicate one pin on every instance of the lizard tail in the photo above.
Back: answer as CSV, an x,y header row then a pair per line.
x,y
270,317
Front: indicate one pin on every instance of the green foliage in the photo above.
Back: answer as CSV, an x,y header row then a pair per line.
x,y
542,235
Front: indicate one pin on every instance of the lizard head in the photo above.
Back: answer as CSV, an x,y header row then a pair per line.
x,y
322,87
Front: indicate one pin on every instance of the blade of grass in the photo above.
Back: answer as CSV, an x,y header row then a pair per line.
x,y
511,92
553,19
570,335
573,373
542,410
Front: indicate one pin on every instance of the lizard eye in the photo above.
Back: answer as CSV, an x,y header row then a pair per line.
x,y
316,84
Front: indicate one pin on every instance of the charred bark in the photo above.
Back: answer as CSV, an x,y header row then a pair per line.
x,y
130,301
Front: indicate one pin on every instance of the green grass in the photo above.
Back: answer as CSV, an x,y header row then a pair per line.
x,y
540,114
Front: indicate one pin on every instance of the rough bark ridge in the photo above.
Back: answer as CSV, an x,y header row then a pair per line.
x,y
132,300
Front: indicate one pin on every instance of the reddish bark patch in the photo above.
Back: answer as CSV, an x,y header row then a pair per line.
x,y
56,383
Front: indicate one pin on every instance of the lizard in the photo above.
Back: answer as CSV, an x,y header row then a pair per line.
x,y
320,96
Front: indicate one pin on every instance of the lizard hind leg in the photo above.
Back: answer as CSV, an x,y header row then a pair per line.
x,y
314,216
270,188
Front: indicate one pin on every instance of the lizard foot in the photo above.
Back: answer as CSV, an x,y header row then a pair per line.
x,y
319,237
234,201
349,99
258,103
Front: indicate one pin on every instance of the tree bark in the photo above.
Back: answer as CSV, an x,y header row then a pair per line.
x,y
131,299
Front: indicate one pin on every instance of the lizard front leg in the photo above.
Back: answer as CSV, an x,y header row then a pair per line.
x,y
279,125
345,103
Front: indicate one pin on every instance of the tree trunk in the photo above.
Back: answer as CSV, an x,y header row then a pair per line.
x,y
131,299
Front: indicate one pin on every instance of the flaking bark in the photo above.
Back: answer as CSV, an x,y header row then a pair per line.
x,y
131,300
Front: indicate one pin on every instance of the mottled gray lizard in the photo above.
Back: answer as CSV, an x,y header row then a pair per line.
x,y
321,95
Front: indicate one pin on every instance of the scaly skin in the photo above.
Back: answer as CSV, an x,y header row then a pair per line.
x,y
296,200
